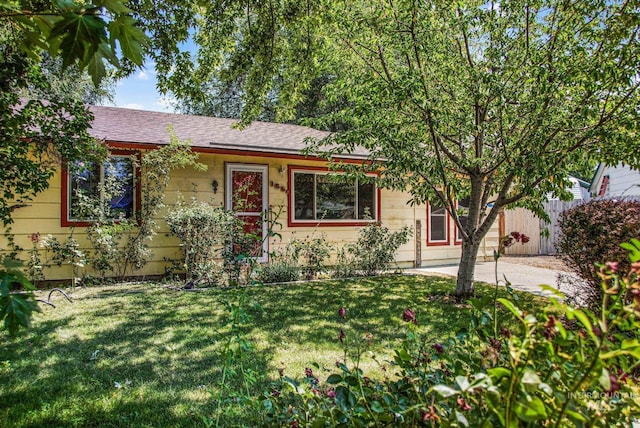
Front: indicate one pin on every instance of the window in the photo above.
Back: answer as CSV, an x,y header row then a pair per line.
x,y
463,213
94,181
437,225
320,197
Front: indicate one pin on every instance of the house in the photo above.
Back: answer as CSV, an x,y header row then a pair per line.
x,y
615,181
282,176
579,189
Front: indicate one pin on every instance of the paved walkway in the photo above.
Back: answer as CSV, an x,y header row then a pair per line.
x,y
522,277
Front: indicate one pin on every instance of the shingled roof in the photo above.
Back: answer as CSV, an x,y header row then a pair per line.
x,y
121,125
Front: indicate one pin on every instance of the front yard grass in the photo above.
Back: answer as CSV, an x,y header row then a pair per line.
x,y
145,355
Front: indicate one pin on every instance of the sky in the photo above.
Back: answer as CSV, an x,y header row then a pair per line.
x,y
138,91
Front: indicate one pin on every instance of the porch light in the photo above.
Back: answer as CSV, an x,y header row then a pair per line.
x,y
214,184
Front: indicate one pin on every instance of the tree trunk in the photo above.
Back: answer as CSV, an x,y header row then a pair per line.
x,y
466,269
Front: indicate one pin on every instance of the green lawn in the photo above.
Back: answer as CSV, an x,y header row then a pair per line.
x,y
147,355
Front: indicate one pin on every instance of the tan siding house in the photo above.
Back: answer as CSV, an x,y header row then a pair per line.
x,y
292,184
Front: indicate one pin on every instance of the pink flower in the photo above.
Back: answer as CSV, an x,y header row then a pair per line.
x,y
308,372
331,393
409,316
463,404
612,266
35,237
438,347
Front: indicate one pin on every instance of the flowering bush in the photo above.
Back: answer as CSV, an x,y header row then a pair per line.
x,y
560,367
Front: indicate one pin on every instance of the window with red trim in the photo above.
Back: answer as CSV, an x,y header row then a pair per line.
x,y
317,197
437,225
90,181
463,214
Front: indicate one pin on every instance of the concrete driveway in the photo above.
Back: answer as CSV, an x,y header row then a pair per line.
x,y
521,277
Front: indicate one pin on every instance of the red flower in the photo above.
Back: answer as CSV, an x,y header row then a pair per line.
x,y
505,332
524,238
549,328
35,237
342,312
331,393
438,347
495,343
308,372
516,236
409,316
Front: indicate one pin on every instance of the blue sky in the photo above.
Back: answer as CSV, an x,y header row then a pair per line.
x,y
138,91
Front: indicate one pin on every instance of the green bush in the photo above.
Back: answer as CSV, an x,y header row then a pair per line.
x,y
203,230
312,254
278,271
561,367
373,252
591,233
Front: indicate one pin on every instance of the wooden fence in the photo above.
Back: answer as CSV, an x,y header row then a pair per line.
x,y
553,209
524,221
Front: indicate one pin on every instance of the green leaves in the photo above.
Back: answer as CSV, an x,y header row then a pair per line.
x,y
131,39
82,34
16,307
531,409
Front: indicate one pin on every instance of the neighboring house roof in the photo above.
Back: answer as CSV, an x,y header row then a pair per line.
x,y
578,188
121,125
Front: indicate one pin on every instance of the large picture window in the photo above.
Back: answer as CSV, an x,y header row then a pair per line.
x,y
108,186
319,197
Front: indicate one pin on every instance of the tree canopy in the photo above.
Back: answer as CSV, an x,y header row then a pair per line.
x,y
491,101
45,48
89,35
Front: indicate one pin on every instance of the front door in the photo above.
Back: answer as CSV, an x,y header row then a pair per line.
x,y
246,194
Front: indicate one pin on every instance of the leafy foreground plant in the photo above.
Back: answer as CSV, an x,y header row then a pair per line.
x,y
16,308
578,370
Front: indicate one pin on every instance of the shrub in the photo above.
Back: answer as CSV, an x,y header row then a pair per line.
x,y
279,271
373,252
311,254
202,229
561,367
283,264
592,233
